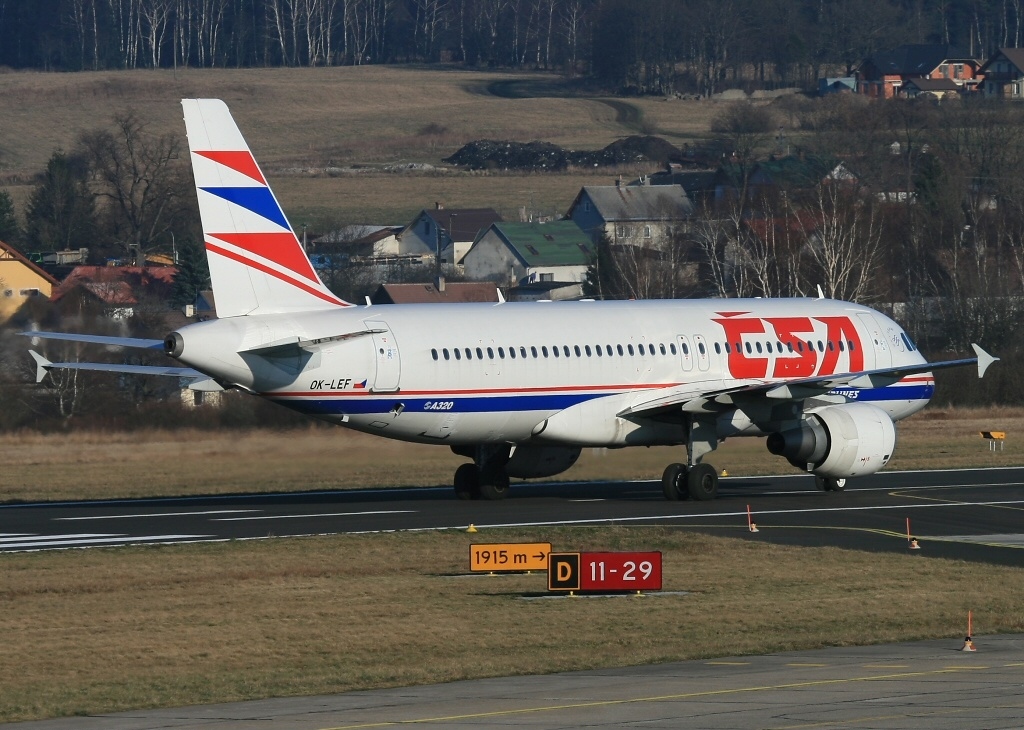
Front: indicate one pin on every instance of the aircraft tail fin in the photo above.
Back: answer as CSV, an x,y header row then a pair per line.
x,y
257,265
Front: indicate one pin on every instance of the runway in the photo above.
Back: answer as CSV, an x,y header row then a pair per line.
x,y
966,514
927,685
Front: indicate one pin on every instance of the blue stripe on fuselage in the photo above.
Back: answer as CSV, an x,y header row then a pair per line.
x,y
445,403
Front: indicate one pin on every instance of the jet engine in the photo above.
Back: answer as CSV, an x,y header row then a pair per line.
x,y
839,441
531,462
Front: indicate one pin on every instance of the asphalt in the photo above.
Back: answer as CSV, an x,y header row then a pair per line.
x,y
967,514
928,685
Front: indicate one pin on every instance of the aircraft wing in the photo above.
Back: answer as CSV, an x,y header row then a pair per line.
x,y
197,380
696,401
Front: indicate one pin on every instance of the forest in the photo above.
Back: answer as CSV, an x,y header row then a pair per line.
x,y
631,46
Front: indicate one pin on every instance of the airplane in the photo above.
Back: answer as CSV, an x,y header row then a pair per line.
x,y
520,388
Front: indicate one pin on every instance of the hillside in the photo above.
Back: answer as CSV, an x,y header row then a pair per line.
x,y
302,121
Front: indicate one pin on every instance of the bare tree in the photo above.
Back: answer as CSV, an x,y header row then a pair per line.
x,y
137,174
845,250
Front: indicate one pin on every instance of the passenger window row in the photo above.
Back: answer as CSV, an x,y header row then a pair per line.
x,y
641,350
560,351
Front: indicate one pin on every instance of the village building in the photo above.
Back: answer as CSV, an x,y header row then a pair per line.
x,y
20,280
526,253
885,75
1004,74
632,215
445,234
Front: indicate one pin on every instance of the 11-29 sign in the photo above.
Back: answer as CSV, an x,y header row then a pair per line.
x,y
604,572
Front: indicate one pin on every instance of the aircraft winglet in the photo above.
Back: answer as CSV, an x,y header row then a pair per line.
x,y
42,365
984,360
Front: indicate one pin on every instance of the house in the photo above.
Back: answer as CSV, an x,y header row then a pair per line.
x,y
1004,74
20,280
358,241
523,253
783,175
837,85
439,293
637,215
699,185
934,88
445,233
115,292
884,75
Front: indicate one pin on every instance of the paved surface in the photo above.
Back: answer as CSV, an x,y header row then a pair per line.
x,y
972,514
929,685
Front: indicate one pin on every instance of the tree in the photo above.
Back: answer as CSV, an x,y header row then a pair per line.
x,y
61,212
193,273
139,178
10,231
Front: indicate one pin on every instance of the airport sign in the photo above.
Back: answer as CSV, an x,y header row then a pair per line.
x,y
509,557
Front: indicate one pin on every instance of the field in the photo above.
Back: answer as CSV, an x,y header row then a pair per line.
x,y
156,463
354,120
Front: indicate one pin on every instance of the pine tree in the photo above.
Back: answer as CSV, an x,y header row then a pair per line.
x,y
10,231
61,213
193,273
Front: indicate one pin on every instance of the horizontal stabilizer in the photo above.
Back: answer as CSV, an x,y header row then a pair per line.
x,y
42,365
136,342
199,381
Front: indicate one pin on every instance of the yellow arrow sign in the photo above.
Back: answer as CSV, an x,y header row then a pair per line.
x,y
511,556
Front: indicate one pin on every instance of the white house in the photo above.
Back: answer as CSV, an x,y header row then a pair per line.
x,y
525,253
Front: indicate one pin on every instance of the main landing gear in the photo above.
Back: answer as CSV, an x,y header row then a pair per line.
x,y
827,484
486,478
696,481
699,482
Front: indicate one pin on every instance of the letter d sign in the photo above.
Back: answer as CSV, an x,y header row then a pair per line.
x,y
564,572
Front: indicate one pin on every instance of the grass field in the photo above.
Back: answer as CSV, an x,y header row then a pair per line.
x,y
103,630
298,120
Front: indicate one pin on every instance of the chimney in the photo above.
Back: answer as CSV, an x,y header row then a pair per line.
x,y
438,206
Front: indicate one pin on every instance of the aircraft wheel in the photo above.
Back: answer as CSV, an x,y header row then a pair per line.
x,y
467,482
702,482
827,484
673,482
494,486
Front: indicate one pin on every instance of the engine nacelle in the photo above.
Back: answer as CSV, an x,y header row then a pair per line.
x,y
839,441
531,462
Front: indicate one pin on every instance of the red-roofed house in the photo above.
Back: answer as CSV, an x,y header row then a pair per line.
x,y
116,291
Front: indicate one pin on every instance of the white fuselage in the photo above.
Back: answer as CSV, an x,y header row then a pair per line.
x,y
556,372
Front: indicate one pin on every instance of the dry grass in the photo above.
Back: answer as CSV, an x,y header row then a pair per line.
x,y
103,630
296,118
160,463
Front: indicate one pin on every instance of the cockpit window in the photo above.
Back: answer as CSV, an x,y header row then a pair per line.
x,y
906,340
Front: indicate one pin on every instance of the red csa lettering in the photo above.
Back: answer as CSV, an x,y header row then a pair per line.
x,y
740,365
804,360
841,329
